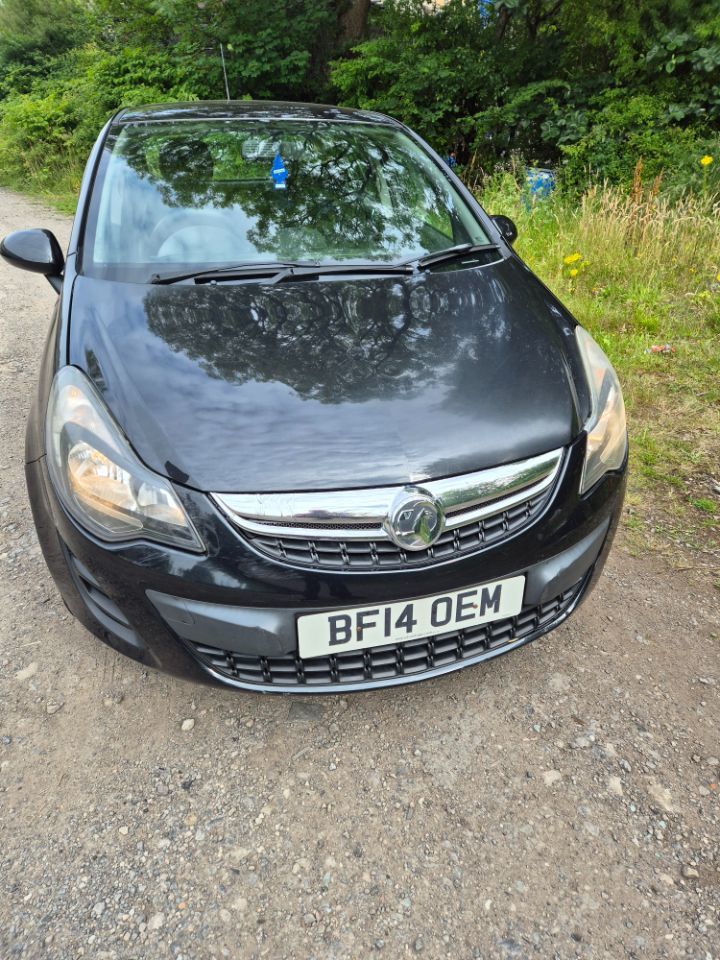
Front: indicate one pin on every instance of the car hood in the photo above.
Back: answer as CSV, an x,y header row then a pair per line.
x,y
332,383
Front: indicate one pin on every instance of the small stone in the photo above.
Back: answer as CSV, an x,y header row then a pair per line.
x,y
551,777
156,921
419,945
162,789
661,795
124,831
187,725
308,920
581,743
690,873
239,903
30,670
615,786
99,909
52,706
713,762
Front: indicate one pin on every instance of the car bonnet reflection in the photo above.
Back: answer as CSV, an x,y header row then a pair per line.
x,y
328,383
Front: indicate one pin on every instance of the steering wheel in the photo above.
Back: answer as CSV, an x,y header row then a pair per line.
x,y
181,219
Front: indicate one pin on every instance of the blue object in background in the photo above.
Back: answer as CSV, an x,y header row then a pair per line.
x,y
540,183
279,173
485,8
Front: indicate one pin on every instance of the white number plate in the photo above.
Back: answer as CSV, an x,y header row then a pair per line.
x,y
320,634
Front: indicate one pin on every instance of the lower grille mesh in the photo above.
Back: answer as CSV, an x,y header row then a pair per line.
x,y
388,662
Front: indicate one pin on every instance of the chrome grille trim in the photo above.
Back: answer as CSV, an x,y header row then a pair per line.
x,y
360,514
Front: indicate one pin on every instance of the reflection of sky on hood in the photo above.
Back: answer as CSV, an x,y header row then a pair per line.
x,y
481,380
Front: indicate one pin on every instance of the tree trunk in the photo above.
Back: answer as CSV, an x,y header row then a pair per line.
x,y
353,20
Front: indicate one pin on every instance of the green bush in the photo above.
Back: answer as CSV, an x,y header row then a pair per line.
x,y
626,130
36,135
45,135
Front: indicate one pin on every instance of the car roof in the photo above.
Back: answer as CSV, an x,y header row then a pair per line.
x,y
247,110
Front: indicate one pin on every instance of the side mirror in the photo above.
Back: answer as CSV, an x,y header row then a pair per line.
x,y
507,228
37,251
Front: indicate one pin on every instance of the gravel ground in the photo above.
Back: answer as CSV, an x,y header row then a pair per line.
x,y
558,802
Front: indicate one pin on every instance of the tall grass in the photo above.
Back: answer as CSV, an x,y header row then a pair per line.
x,y
647,275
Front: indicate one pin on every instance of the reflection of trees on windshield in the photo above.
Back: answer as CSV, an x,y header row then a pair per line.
x,y
339,341
347,194
340,200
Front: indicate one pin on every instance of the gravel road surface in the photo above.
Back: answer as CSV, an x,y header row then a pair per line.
x,y
558,802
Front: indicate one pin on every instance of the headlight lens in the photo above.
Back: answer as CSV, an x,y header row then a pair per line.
x,y
99,478
606,427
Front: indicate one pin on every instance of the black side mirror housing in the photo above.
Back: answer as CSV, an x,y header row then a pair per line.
x,y
507,228
37,251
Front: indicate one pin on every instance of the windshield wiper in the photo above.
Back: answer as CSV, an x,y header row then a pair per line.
x,y
283,271
452,253
248,268
306,272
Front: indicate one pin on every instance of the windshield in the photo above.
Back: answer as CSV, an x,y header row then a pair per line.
x,y
200,194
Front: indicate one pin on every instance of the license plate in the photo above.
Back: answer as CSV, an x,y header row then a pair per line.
x,y
321,634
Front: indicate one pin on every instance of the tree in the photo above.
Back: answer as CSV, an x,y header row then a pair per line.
x,y
35,29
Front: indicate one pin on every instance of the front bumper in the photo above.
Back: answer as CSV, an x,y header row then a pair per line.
x,y
230,615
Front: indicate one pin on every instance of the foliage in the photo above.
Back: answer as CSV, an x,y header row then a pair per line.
x,y
416,68
51,129
271,50
33,30
587,86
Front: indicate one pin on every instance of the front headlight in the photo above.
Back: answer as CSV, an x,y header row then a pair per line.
x,y
98,477
606,428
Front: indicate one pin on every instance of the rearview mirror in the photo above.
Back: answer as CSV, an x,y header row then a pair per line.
x,y
507,228
37,251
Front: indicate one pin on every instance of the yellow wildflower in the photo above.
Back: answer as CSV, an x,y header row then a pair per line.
x,y
574,272
718,278
572,258
706,160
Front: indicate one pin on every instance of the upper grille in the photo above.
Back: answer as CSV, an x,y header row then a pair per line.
x,y
348,530
373,554
391,662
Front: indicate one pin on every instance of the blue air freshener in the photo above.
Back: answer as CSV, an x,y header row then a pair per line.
x,y
279,173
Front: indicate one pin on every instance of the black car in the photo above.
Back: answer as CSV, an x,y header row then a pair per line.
x,y
305,421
